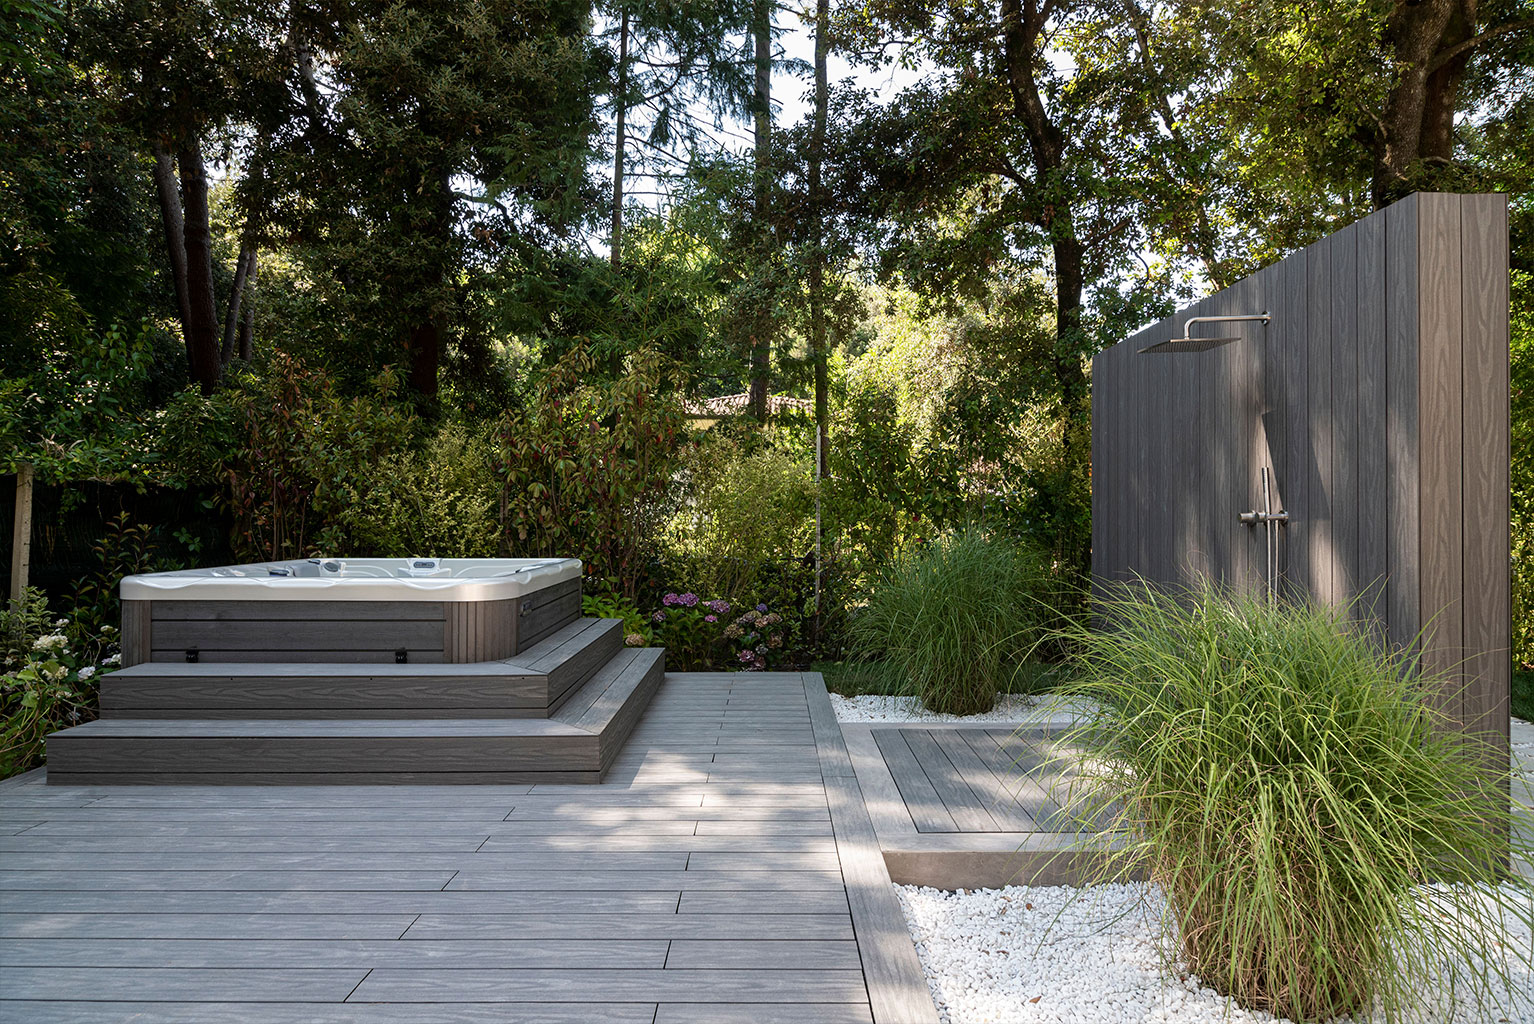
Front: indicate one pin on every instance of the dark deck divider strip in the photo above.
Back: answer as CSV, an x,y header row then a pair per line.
x,y
897,985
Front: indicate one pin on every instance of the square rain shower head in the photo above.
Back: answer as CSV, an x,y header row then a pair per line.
x,y
1187,345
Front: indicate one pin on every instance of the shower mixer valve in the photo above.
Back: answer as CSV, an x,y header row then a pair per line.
x,y
1270,521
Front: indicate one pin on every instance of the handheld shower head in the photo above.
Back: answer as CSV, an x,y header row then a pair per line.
x,y
1187,343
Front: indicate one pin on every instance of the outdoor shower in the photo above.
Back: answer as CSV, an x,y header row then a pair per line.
x,y
1268,519
1188,343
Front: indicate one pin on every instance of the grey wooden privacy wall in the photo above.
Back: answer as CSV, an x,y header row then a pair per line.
x,y
1378,398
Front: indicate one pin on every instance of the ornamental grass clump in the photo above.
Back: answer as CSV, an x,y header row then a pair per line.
x,y
954,618
1328,843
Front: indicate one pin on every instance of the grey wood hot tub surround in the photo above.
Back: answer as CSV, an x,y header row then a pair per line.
x,y
359,632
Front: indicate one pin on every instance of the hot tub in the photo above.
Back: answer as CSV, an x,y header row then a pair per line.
x,y
419,610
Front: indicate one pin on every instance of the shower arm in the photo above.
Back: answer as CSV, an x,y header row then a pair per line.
x,y
1188,326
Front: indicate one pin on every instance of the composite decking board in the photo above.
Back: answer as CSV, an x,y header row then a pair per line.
x,y
328,778
764,954
278,611
1485,359
228,880
762,1013
137,631
547,620
359,692
897,988
733,902
55,926
164,655
293,952
488,879
307,634
484,842
246,984
598,985
920,797
1021,761
329,901
694,927
400,860
995,794
754,905
600,683
961,802
161,1012
1440,391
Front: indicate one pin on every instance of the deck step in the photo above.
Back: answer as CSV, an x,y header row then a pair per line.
x,y
532,684
578,745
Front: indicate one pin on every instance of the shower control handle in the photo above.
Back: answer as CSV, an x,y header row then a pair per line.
x,y
1280,517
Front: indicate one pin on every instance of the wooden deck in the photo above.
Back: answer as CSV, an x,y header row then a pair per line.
x,y
725,871
974,806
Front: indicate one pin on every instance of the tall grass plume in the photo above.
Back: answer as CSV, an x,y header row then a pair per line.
x,y
1329,844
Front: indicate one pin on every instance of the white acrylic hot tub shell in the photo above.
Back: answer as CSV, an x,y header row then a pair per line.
x,y
362,579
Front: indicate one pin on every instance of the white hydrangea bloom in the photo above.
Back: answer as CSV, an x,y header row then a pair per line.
x,y
50,642
87,672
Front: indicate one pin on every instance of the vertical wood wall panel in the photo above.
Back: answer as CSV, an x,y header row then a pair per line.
x,y
1403,509
1289,335
1373,483
1484,362
1343,321
1439,386
1378,394
137,623
1322,548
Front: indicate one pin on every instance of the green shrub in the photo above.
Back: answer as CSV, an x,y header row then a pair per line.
x,y
586,471
440,500
294,459
1290,790
48,682
955,618
750,502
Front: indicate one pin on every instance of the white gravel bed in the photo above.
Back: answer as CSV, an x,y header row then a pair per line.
x,y
1090,956
1010,707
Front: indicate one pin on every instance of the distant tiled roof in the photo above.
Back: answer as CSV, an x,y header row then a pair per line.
x,y
729,405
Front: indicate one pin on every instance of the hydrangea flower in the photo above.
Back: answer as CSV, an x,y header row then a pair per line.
x,y
670,599
761,608
108,630
49,641
631,640
746,656
689,599
87,672
659,616
112,659
720,607
710,618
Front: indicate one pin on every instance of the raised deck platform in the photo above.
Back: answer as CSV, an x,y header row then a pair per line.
x,y
724,873
533,684
974,806
559,712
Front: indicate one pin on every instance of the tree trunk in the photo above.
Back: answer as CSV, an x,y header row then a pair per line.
x,y
817,231
200,329
21,535
175,234
242,271
425,347
620,101
1418,122
1023,23
428,330
761,338
247,341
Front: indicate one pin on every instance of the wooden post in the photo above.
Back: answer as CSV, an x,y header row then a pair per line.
x,y
21,539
